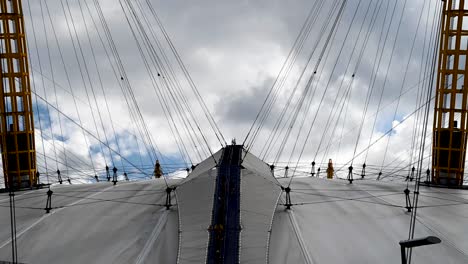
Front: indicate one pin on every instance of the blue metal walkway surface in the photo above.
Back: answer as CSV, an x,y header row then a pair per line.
x,y
225,225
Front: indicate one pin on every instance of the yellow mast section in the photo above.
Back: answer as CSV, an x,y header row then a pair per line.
x,y
17,123
450,115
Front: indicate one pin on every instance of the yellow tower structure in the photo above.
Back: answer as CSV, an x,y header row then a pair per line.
x,y
17,123
450,115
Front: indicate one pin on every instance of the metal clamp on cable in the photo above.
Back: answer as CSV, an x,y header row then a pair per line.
x,y
168,197
49,201
363,172
350,174
288,203
108,173
59,177
411,176
408,201
312,172
114,176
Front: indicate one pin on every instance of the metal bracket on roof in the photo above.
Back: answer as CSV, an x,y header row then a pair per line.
x,y
411,176
350,174
49,201
108,173
59,177
38,177
288,203
168,197
312,172
363,172
428,175
114,176
408,200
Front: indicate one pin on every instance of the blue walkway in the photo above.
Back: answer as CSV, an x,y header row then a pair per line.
x,y
225,224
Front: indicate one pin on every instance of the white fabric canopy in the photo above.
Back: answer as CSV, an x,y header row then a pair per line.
x,y
331,221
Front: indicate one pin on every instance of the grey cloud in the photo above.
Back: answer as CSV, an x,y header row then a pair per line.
x,y
233,50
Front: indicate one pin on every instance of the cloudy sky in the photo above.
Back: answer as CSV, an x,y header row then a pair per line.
x,y
233,51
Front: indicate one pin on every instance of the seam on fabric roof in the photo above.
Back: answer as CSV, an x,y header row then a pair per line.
x,y
179,232
446,240
295,226
270,228
45,216
154,235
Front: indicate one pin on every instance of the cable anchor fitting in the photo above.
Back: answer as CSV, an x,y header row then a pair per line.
x,y
108,173
363,172
312,172
286,169
408,200
114,176
288,203
59,177
350,174
168,197
411,176
49,201
380,175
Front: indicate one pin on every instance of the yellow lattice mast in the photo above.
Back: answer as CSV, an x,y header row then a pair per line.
x,y
17,124
450,115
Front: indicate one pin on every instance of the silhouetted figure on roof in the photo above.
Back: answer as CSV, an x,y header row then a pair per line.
x,y
157,170
330,169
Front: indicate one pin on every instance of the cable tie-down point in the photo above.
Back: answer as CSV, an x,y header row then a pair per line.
x,y
288,203
363,172
59,177
168,197
114,176
350,174
408,200
49,201
108,173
